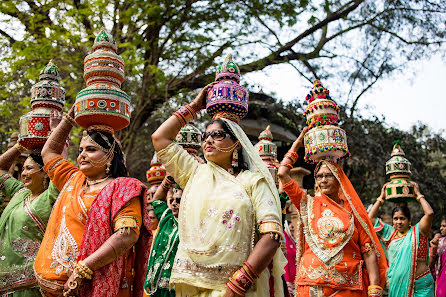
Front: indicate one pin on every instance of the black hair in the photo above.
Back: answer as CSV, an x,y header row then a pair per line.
x,y
37,158
404,209
241,161
117,167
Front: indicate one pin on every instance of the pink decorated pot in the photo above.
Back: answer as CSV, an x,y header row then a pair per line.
x,y
227,98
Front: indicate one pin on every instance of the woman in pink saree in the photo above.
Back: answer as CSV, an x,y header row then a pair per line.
x,y
438,246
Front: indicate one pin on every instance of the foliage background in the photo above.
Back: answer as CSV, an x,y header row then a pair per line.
x,y
171,49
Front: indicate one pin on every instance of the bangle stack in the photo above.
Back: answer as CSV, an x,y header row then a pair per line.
x,y
185,114
69,119
242,279
374,291
381,201
83,270
20,148
292,155
167,183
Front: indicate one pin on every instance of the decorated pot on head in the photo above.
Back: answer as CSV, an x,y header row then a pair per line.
x,y
227,98
267,150
103,101
155,175
189,138
46,95
325,140
400,188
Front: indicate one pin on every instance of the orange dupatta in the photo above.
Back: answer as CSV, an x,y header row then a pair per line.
x,y
360,213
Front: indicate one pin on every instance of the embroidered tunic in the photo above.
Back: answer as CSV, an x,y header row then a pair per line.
x,y
217,220
163,252
22,226
62,241
334,243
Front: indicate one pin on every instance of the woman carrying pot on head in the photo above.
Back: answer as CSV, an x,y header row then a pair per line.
x,y
339,253
407,248
223,204
87,247
24,220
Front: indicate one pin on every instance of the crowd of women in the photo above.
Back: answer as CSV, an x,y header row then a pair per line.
x,y
211,229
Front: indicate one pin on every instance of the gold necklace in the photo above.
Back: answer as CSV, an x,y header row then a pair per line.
x,y
96,181
402,234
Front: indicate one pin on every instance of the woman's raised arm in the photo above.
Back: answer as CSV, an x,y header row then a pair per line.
x,y
166,133
426,220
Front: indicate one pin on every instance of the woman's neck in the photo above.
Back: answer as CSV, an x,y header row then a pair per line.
x,y
36,193
335,197
97,176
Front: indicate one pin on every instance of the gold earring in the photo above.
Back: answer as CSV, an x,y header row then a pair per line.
x,y
107,168
234,158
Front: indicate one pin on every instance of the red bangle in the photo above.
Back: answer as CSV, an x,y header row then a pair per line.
x,y
234,288
250,270
191,111
292,155
180,118
286,164
166,188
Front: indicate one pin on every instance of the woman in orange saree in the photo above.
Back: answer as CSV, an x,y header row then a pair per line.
x,y
91,246
335,236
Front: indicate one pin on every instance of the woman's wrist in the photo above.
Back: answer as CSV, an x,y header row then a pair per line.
x,y
419,197
380,200
242,279
20,148
167,183
292,156
374,291
185,114
69,120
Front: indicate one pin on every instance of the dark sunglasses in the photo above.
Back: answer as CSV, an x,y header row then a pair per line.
x,y
177,200
216,135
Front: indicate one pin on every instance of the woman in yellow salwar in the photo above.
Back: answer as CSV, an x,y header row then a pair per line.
x,y
224,202
96,220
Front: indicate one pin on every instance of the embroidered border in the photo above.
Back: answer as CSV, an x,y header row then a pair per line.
x,y
341,278
414,263
4,178
29,212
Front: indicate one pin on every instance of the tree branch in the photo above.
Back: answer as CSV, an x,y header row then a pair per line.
x,y
9,37
276,57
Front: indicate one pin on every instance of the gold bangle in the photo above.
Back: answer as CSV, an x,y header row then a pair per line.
x,y
20,148
420,197
381,201
69,119
83,270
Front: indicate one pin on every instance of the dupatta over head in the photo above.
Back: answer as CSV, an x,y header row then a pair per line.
x,y
360,214
256,164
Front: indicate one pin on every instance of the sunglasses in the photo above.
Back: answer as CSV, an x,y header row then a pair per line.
x,y
216,135
177,200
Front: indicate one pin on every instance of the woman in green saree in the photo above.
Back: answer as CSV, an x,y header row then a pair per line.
x,y
23,222
407,249
165,244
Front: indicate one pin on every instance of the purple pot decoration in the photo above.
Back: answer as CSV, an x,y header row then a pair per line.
x,y
227,98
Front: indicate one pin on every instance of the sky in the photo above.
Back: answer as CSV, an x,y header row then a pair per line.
x,y
403,99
